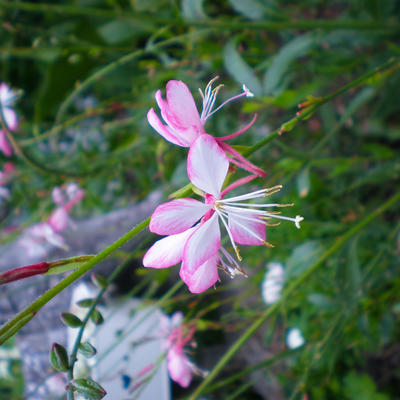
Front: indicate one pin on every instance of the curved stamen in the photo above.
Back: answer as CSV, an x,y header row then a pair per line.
x,y
229,234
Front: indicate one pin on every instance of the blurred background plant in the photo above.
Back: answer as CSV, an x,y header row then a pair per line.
x,y
89,69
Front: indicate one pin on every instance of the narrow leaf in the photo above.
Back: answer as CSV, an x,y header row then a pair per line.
x,y
294,49
239,69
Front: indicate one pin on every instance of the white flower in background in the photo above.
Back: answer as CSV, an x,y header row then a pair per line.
x,y
272,283
8,98
294,338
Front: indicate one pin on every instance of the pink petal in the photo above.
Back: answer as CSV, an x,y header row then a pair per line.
x,y
207,165
162,129
11,118
167,252
176,216
4,145
57,195
241,235
187,129
239,160
179,366
181,104
204,277
202,245
59,219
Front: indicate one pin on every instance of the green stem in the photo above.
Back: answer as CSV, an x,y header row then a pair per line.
x,y
8,329
230,24
288,291
73,357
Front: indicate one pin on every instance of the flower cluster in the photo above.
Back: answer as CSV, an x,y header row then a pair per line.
x,y
193,227
34,238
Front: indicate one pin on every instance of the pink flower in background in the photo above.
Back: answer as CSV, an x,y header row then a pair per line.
x,y
37,238
193,227
59,219
185,124
176,336
7,100
5,146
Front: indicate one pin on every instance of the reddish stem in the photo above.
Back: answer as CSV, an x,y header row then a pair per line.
x,y
23,272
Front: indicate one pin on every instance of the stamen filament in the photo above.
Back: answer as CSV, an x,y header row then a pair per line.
x,y
230,235
239,214
252,195
250,232
255,205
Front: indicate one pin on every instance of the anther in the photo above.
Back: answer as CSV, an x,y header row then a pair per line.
x,y
237,253
268,244
286,205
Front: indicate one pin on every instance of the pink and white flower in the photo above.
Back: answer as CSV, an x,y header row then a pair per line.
x,y
36,239
176,336
185,124
59,218
193,227
7,100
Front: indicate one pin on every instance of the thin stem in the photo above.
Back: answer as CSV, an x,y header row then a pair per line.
x,y
289,290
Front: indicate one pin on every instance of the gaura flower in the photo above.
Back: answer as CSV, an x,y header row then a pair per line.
x,y
194,227
59,218
35,240
176,336
7,100
185,124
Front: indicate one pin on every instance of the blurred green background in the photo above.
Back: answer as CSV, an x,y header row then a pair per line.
x,y
337,166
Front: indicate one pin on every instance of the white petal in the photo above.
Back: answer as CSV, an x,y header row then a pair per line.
x,y
202,245
204,277
176,216
167,252
207,165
